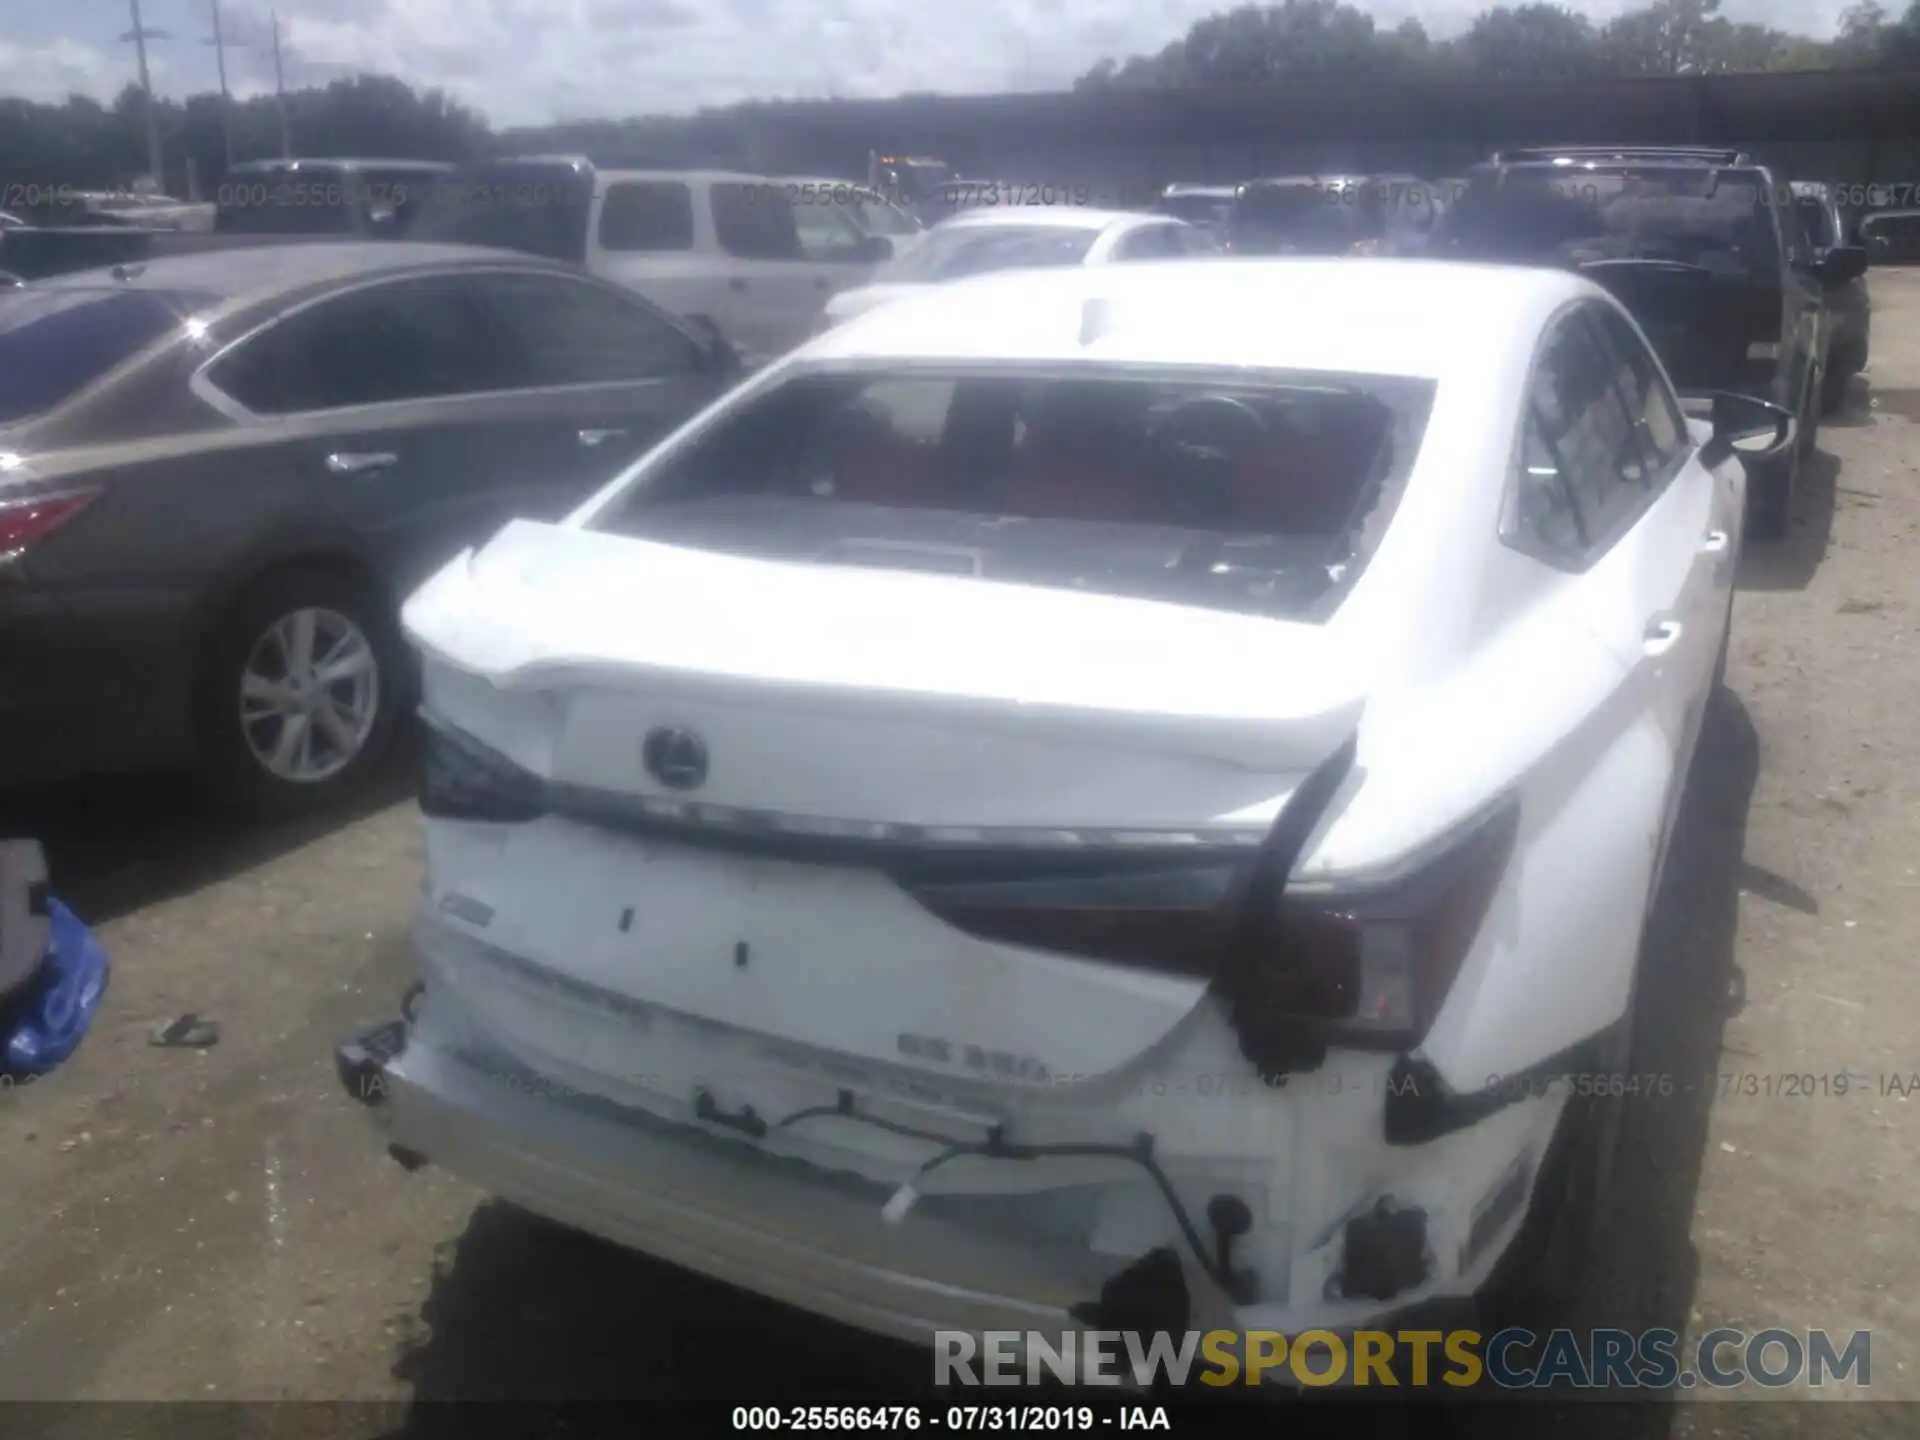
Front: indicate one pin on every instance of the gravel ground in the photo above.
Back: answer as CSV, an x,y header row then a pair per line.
x,y
221,1224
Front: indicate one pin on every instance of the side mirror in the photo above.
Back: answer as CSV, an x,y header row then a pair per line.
x,y
718,352
1753,429
1841,265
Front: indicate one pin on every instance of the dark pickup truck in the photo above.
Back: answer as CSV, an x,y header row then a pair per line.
x,y
1706,250
261,202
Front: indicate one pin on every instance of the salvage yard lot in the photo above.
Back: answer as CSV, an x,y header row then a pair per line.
x,y
222,1224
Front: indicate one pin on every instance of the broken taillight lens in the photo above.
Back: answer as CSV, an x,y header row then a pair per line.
x,y
25,522
462,779
1370,968
1178,919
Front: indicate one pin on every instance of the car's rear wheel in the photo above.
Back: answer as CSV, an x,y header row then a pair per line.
x,y
300,693
1770,491
1810,412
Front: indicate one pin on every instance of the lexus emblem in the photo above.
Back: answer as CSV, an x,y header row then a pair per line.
x,y
676,758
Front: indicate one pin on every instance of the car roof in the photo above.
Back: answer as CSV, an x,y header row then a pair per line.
x,y
1423,318
339,161
1065,217
686,177
257,272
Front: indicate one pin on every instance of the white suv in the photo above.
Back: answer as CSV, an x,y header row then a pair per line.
x,y
721,247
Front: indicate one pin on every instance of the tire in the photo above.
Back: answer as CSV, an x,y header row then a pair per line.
x,y
1720,660
1811,409
1770,495
1833,391
1553,1260
342,730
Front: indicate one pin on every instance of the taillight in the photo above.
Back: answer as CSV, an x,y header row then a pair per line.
x,y
25,522
461,779
1371,967
1174,918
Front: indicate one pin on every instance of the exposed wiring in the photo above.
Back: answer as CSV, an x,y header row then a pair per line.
x,y
997,1147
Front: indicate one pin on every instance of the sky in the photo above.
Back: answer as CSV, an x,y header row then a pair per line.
x,y
530,62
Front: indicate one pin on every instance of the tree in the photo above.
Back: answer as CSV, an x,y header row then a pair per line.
x,y
1524,42
1666,38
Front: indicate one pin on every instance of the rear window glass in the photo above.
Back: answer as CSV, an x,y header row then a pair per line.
x,y
647,215
1239,494
55,343
962,250
755,221
1714,219
1307,217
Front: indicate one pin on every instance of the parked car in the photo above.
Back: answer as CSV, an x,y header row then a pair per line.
x,y
1135,687
219,473
1206,206
1891,237
1849,306
871,211
1385,214
260,202
1021,237
722,248
1694,242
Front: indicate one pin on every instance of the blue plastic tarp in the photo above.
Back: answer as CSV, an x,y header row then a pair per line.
x,y
44,1021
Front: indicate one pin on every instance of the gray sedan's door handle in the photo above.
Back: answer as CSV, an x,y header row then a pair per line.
x,y
359,463
591,439
1715,543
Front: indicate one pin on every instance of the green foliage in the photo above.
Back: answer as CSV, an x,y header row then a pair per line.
x,y
1536,41
85,145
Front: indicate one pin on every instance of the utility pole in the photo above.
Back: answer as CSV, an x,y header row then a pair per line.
x,y
226,97
156,161
280,91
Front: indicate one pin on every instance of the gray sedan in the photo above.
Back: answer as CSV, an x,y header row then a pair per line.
x,y
220,474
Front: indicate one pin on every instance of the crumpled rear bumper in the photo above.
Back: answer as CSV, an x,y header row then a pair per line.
x,y
716,1206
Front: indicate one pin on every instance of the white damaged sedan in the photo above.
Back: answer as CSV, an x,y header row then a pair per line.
x,y
1079,786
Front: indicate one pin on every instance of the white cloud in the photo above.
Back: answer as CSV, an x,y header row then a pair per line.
x,y
531,61
52,72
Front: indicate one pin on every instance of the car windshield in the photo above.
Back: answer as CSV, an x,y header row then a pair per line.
x,y
1236,494
1718,220
55,343
951,253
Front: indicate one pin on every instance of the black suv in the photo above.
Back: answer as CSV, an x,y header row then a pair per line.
x,y
1705,249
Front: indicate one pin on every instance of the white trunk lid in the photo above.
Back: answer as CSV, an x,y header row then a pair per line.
x,y
876,695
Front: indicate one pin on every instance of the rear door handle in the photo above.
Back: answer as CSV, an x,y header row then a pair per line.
x,y
593,439
344,462
1663,633
1715,543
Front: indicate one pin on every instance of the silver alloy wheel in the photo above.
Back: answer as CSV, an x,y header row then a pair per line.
x,y
309,693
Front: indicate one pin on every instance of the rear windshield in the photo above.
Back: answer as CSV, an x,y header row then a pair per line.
x,y
1197,209
963,250
55,343
536,209
1714,219
1224,492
